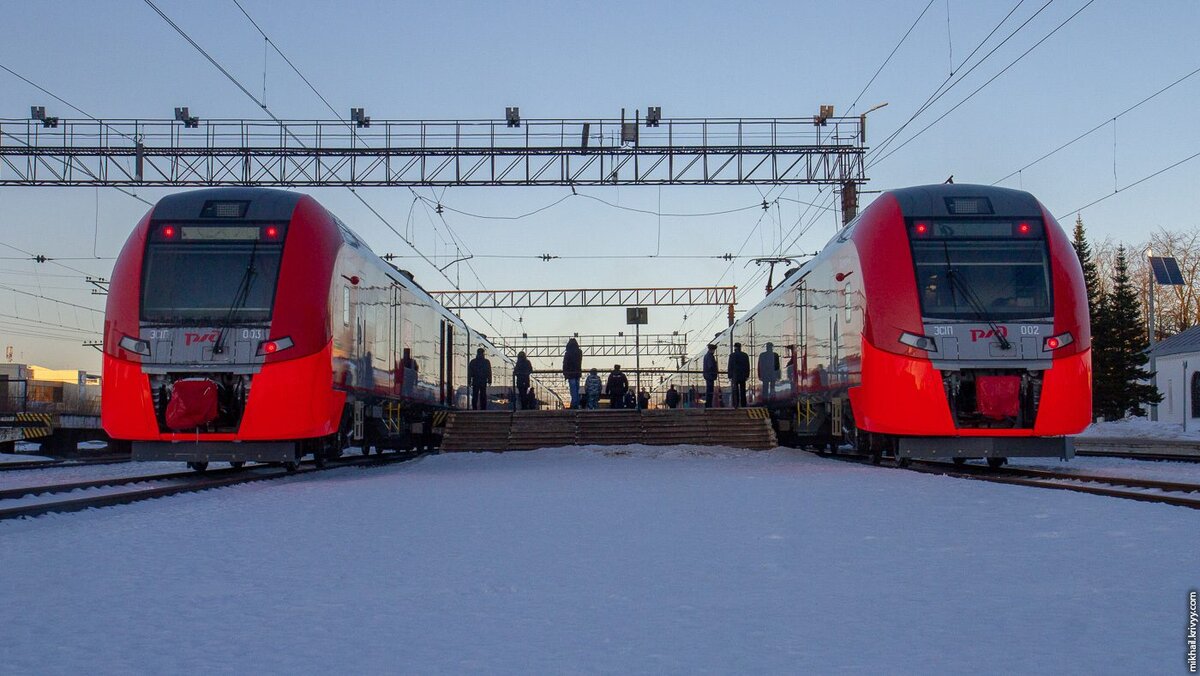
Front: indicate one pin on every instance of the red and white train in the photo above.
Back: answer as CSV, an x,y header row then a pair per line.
x,y
946,321
247,324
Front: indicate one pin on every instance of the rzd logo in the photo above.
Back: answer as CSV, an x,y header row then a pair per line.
x,y
211,337
976,334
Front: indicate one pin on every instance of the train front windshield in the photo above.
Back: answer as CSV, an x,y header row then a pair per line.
x,y
982,270
204,274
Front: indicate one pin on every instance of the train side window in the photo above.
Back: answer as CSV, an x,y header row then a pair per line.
x,y
345,306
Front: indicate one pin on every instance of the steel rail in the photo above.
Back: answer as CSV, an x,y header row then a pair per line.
x,y
199,482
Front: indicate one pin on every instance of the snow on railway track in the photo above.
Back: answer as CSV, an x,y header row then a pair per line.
x,y
35,500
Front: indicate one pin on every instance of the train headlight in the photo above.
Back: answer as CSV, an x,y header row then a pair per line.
x,y
1054,342
135,346
920,342
272,346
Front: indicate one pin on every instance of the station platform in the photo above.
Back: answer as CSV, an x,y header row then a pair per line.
x,y
527,430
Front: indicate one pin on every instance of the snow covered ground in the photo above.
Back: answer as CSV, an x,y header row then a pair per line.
x,y
1139,428
604,560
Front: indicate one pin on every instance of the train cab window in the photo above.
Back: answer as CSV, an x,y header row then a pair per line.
x,y
995,269
197,274
345,306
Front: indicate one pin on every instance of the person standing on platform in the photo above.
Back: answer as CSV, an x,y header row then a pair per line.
x,y
710,374
617,385
738,369
672,398
591,389
522,371
768,372
643,400
479,376
572,369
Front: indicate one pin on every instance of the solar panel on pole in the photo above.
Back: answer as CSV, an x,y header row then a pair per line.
x,y
1166,271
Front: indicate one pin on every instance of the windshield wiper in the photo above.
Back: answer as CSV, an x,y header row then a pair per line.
x,y
968,295
239,299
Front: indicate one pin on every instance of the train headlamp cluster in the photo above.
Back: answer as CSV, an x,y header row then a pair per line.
x,y
920,342
272,346
1052,343
135,346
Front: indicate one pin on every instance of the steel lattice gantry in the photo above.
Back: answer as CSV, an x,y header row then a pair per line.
x,y
599,345
543,298
432,153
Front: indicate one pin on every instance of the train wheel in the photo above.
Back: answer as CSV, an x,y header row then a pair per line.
x,y
237,464
903,462
198,466
997,463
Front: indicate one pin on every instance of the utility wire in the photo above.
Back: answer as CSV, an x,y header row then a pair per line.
x,y
54,300
1137,182
1096,128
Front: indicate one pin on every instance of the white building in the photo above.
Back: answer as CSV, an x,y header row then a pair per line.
x,y
1177,376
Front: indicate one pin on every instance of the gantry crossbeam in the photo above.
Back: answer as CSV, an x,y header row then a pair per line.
x,y
600,345
545,298
582,152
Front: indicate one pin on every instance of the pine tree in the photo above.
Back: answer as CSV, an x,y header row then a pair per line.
x,y
1096,309
1118,380
1091,274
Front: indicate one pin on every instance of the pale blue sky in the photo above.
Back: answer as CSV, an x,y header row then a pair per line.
x,y
471,59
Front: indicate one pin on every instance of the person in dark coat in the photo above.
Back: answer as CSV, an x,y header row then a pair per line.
x,y
522,370
616,387
768,371
710,374
643,400
738,369
672,398
572,369
630,401
479,376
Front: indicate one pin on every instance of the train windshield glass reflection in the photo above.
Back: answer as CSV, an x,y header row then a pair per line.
x,y
1002,279
205,283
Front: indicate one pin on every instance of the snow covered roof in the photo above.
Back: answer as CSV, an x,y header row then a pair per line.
x,y
1180,343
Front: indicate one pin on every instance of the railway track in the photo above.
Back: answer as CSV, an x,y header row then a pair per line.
x,y
127,490
77,462
1144,490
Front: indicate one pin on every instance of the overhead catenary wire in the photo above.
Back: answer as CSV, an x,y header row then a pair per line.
x,y
263,105
982,86
889,56
81,112
947,84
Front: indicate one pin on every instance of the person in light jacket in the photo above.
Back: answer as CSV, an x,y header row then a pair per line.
x,y
591,389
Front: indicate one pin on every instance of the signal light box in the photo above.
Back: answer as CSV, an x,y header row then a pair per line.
x,y
635,315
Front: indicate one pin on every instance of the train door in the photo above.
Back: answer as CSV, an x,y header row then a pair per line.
x,y
447,363
393,318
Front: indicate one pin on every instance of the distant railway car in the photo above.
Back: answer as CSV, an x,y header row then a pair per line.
x,y
946,321
248,324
